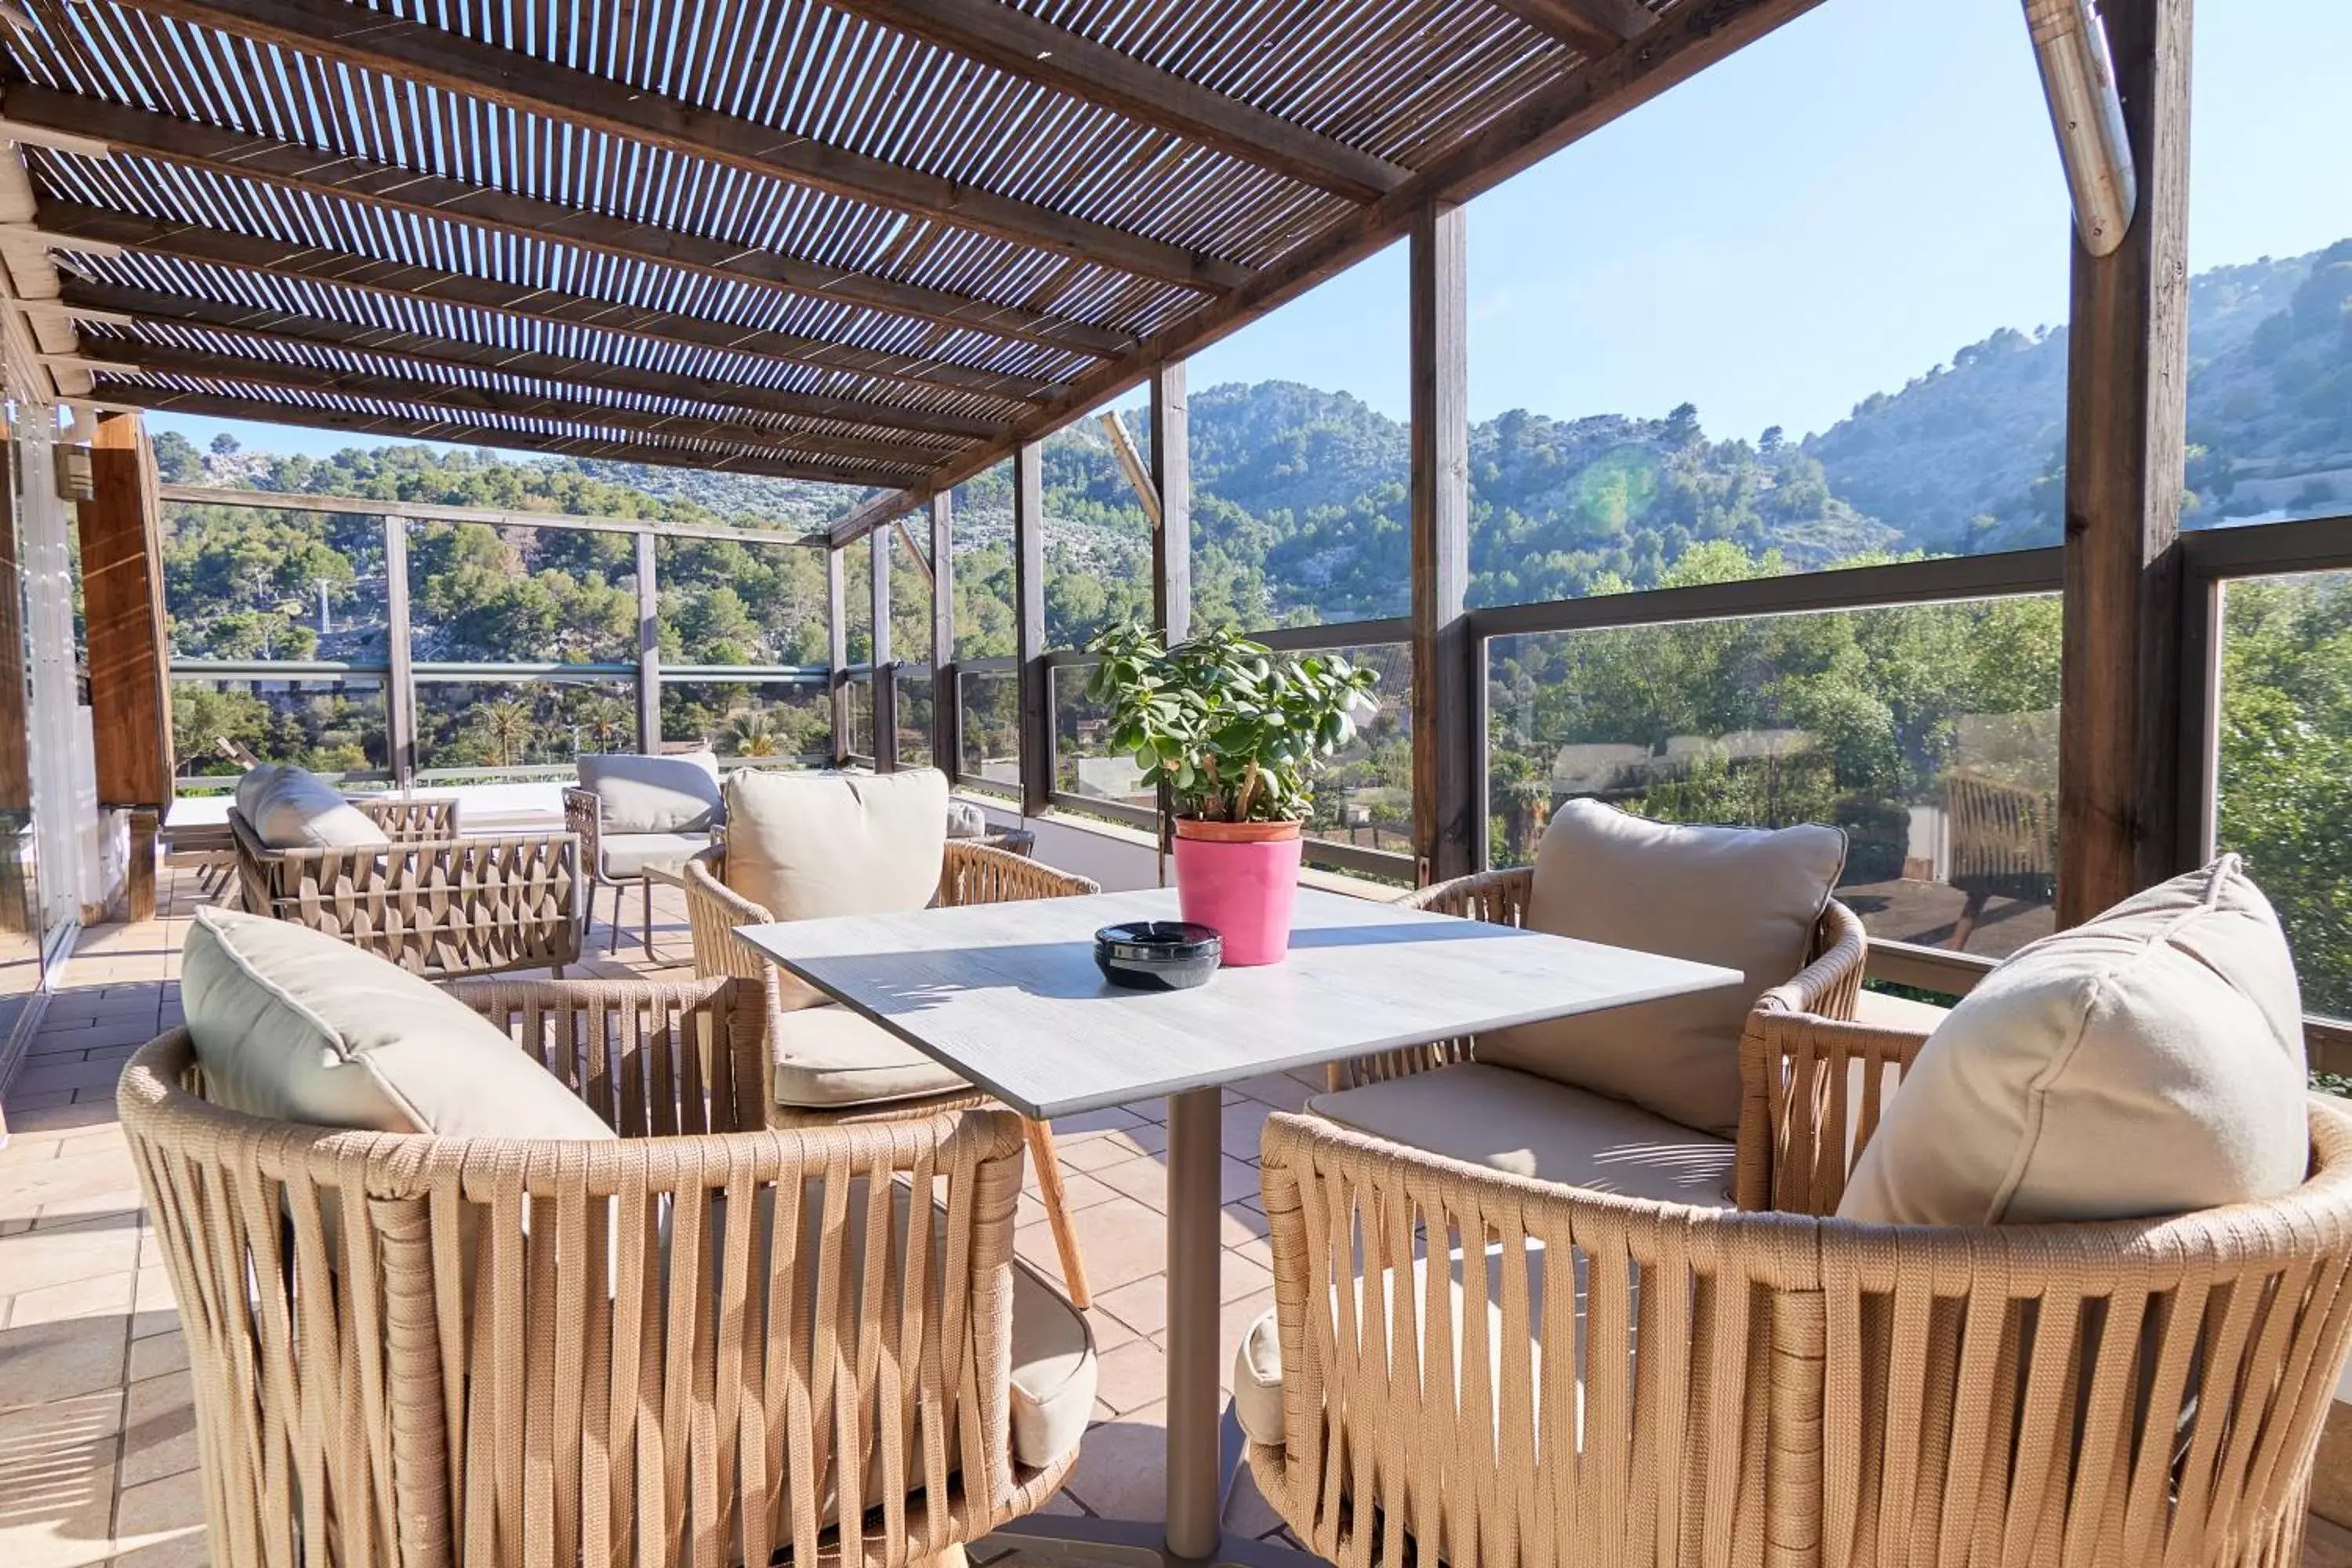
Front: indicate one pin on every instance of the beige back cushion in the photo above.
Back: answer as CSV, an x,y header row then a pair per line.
x,y
2148,1062
672,794
293,1025
288,808
805,845
1746,898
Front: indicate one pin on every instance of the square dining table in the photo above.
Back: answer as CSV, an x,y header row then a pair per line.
x,y
1008,996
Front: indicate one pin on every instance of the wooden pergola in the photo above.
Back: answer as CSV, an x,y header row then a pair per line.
x,y
890,243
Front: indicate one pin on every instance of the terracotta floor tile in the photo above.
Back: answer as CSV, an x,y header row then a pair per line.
x,y
158,1354
1280,1091
1119,1470
108,1295
159,1429
1122,1239
1131,1377
168,1512
1142,1304
1146,1181
37,1258
56,1481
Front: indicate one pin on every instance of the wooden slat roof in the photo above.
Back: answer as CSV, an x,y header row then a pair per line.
x,y
872,242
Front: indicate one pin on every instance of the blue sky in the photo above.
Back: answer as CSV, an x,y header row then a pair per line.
x,y
1826,215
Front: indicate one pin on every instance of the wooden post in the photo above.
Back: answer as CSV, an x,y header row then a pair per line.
x,y
650,734
1029,623
122,604
1172,479
947,687
1444,683
886,669
400,680
2120,732
836,628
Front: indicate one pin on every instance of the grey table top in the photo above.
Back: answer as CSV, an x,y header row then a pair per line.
x,y
1008,994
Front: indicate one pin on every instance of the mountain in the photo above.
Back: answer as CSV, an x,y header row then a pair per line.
x,y
1301,494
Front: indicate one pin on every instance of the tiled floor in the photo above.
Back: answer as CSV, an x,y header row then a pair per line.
x,y
97,1439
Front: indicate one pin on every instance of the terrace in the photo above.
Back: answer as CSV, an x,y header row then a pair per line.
x,y
721,246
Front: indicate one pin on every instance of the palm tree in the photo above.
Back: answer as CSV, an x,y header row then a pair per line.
x,y
506,726
751,734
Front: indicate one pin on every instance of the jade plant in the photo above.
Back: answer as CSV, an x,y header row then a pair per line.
x,y
1236,734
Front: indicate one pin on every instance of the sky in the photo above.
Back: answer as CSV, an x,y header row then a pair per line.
x,y
1830,213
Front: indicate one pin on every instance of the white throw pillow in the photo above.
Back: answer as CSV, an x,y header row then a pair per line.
x,y
805,845
1743,897
2148,1062
293,1025
674,793
289,808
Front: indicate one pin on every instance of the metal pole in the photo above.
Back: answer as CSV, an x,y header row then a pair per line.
x,y
649,736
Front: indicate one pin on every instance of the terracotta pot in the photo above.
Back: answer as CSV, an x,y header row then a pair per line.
x,y
1241,877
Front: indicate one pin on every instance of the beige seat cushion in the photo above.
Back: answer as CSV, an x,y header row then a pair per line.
x,y
2148,1062
1531,1126
288,808
674,793
829,1056
293,1025
805,845
629,855
1882,1011
1746,898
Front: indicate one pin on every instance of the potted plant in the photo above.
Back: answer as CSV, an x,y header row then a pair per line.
x,y
1237,737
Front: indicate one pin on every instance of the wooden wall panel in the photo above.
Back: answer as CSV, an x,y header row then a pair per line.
x,y
122,600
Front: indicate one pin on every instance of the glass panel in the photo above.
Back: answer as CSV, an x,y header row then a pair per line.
x,y
524,595
858,600
859,742
1364,797
2286,764
983,535
330,725
750,721
914,717
1098,539
1927,732
1802,398
244,584
992,728
728,602
1300,459
1084,761
910,598
2270,253
494,726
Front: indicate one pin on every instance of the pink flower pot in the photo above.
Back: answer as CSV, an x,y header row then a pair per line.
x,y
1241,877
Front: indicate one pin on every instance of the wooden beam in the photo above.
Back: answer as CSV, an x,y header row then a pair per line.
x,y
122,599
1444,814
1588,27
1023,45
1132,464
806,448
883,657
155,315
1172,480
1029,629
1689,38
400,678
462,433
2120,732
836,642
649,729
289,165
412,52
947,691
914,550
403,282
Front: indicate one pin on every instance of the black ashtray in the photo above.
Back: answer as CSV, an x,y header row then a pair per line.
x,y
1158,955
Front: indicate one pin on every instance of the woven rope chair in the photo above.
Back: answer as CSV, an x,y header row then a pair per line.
x,y
411,1351
971,872
1785,1390
1827,987
435,904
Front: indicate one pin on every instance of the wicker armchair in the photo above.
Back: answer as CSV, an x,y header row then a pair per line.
x,y
971,872
434,903
1826,987
682,1346
1711,1386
